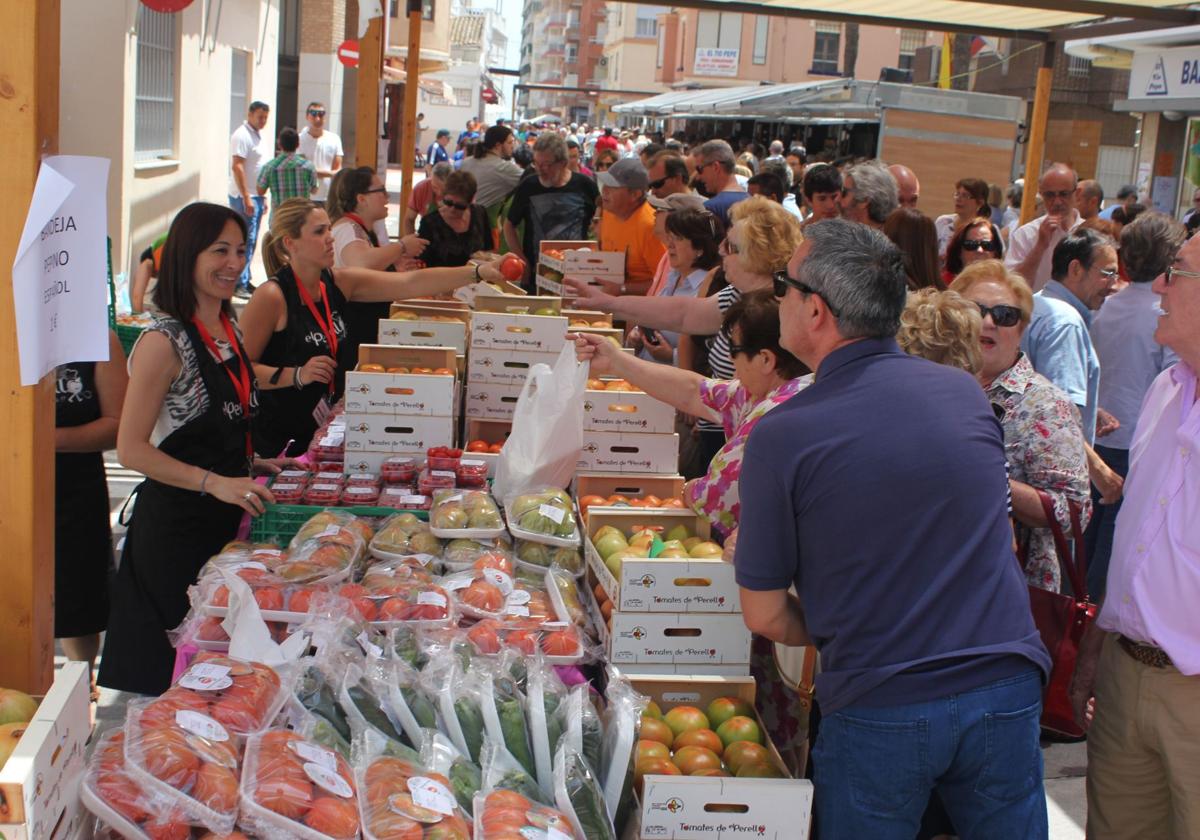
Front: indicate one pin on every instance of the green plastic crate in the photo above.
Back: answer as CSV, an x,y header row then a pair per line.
x,y
281,522
128,335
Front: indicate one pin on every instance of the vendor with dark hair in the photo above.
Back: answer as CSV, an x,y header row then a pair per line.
x,y
459,228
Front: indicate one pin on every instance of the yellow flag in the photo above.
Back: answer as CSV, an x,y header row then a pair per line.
x,y
944,69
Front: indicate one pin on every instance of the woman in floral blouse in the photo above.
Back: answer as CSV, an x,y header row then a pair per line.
x,y
1042,433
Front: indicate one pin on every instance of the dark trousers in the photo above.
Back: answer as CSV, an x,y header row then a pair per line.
x,y
1098,538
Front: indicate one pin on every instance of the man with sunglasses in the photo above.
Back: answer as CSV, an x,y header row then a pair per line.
x,y
715,162
1031,246
322,147
901,557
1141,659
668,174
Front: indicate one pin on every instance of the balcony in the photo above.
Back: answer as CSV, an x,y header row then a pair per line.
x,y
555,22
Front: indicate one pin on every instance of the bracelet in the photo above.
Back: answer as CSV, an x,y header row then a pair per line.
x,y
204,481
296,382
477,277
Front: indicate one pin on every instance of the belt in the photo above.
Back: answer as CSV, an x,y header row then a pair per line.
x,y
1146,654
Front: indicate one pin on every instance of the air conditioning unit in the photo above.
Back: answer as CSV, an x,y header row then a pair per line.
x,y
602,61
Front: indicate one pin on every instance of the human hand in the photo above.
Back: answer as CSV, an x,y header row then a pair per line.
x,y
592,296
1048,231
246,493
596,350
1106,424
248,206
489,269
633,338
1109,483
730,547
414,245
1083,682
660,350
318,369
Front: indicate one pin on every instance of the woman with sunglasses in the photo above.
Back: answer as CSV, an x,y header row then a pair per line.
x,y
295,329
1043,438
603,159
970,203
459,228
977,241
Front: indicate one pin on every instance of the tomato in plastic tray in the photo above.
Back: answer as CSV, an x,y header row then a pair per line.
x,y
506,814
322,494
399,469
287,493
490,593
112,793
330,446
442,458
330,477
471,473
431,479
352,496
401,801
187,757
363,480
559,641
241,696
406,595
403,498
273,598
295,785
294,475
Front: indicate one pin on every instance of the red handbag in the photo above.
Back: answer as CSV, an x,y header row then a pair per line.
x,y
1061,620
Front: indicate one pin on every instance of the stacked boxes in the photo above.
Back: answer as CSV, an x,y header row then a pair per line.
x,y
580,259
399,413
504,346
628,432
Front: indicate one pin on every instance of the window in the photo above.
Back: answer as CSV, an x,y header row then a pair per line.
x,y
464,95
572,53
761,24
662,49
1078,68
827,46
154,97
427,9
719,30
647,27
238,85
910,41
289,27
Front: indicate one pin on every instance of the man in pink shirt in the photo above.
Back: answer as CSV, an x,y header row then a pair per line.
x,y
1141,661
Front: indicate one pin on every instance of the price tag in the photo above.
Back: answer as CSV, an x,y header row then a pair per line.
x,y
447,499
436,599
552,512
201,724
369,647
329,476
431,794
329,779
517,609
415,501
457,583
206,677
314,754
499,580
249,564
330,530
444,474
369,477
471,463
519,596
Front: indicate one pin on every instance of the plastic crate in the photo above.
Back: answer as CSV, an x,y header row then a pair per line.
x,y
128,335
281,522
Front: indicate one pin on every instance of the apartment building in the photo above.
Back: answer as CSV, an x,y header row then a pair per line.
x,y
562,46
630,39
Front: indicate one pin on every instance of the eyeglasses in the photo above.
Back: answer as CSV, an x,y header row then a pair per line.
x,y
315,113
1002,314
657,185
446,202
780,280
1172,272
728,248
735,349
1109,273
979,244
1051,195
374,190
602,167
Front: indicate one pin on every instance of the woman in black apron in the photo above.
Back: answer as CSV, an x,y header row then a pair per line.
x,y
295,328
87,407
186,426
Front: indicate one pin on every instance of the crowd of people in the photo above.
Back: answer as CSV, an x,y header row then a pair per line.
x,y
890,421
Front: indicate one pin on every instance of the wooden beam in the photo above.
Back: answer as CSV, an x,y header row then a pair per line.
x,y
1035,149
370,79
408,121
29,66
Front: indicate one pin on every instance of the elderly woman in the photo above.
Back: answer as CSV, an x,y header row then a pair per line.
x,y
943,327
1042,433
459,228
970,202
978,240
760,242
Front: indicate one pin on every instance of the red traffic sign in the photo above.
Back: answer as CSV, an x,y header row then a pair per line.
x,y
168,6
347,53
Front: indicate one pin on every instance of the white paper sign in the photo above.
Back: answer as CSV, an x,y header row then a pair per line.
x,y
711,61
59,284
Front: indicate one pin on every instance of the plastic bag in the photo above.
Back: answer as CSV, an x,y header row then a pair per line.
x,y
579,723
503,707
458,706
405,535
362,699
578,794
545,693
621,718
405,799
503,772
440,756
504,813
465,514
547,429
543,515
539,556
462,554
110,792
408,704
317,712
244,697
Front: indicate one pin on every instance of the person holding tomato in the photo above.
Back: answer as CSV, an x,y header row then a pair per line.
x,y
294,325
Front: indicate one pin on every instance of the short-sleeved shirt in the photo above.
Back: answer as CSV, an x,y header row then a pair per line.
x,y
676,285
1060,348
421,199
495,178
437,153
606,141
553,212
635,238
322,151
720,203
901,552
247,143
288,176
1021,242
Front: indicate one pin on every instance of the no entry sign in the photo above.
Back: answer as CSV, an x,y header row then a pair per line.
x,y
168,5
347,53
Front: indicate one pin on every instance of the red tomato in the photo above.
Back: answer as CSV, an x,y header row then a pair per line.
x,y
512,267
560,643
216,787
477,446
333,817
288,797
495,448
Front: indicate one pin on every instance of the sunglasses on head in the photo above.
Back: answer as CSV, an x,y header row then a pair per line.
x,y
979,245
780,281
447,202
1002,314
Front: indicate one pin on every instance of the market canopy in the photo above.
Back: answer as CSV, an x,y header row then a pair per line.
x,y
1030,19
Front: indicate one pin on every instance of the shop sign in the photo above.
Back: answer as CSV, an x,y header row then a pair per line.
x,y
1165,74
711,61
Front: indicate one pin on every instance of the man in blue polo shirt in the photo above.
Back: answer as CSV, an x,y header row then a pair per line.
x,y
880,493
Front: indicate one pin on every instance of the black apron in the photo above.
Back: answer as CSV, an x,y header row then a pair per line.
x,y
173,533
286,414
362,319
83,557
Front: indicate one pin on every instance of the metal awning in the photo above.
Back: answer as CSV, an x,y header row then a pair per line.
x,y
683,102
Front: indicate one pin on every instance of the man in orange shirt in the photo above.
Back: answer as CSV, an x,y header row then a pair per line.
x,y
627,222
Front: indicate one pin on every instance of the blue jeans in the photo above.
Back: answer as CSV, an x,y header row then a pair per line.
x,y
1099,535
874,768
252,222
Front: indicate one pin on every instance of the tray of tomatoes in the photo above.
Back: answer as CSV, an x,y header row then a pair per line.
x,y
403,593
399,800
244,697
505,814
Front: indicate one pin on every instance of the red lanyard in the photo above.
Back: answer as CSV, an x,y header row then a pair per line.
x,y
357,219
241,379
327,328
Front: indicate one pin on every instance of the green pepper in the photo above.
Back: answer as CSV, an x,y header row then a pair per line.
x,y
366,704
470,720
420,707
465,780
587,800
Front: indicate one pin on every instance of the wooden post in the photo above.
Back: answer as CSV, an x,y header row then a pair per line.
x,y
370,78
1036,146
408,122
29,67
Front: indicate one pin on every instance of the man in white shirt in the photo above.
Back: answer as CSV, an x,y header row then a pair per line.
x,y
249,148
1031,246
322,147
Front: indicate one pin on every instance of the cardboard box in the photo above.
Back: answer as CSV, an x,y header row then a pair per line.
x,y
629,452
398,393
701,808
527,305
592,263
396,434
432,310
504,367
491,402
39,783
424,334
527,333
686,643
626,411
593,318
630,485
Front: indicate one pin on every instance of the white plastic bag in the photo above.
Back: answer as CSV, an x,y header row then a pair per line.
x,y
547,429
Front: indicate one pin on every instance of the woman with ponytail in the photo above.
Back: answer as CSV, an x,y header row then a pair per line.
x,y
294,326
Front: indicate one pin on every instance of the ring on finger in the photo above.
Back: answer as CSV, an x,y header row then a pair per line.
x,y
248,497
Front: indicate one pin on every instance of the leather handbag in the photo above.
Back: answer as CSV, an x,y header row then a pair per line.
x,y
1061,620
